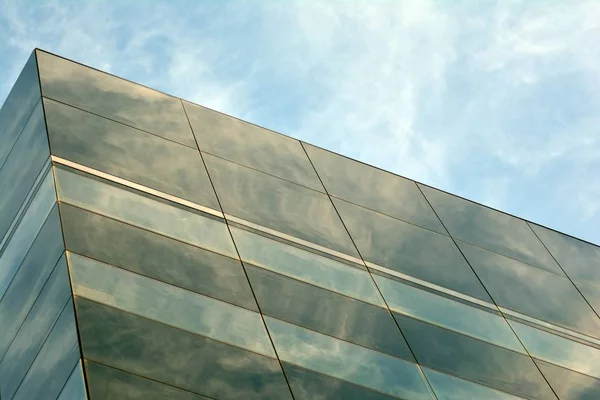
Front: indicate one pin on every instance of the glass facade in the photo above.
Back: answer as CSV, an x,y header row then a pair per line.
x,y
156,249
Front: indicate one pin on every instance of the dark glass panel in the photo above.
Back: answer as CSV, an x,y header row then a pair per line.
x,y
18,106
309,385
74,389
409,249
570,385
473,360
128,153
106,383
251,145
277,204
114,98
31,277
373,188
490,229
178,358
22,167
532,291
327,312
155,256
448,387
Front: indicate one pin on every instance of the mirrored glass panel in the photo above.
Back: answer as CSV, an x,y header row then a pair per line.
x,y
490,229
75,387
409,249
114,98
591,294
175,357
277,204
305,266
532,291
128,153
155,256
347,361
473,360
251,145
145,212
570,385
448,387
326,312
447,313
373,188
168,304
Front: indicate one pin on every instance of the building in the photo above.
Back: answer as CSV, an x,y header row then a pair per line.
x,y
155,249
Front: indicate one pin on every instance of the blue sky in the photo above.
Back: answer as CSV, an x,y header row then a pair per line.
x,y
497,101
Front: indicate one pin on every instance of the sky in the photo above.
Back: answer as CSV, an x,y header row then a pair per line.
x,y
496,101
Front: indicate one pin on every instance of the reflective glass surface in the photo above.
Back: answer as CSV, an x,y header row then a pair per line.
x,y
34,330
347,361
490,229
326,312
447,313
22,166
26,231
178,358
142,211
277,204
168,304
409,249
579,259
54,363
591,294
251,145
305,266
532,291
29,280
75,387
373,188
448,387
473,359
18,106
114,98
155,256
570,385
108,383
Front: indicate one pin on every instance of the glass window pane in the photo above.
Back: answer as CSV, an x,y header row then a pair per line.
x,y
305,266
347,361
473,359
532,291
142,211
180,308
175,357
251,145
327,312
490,229
114,98
75,387
570,385
591,294
447,387
22,167
447,313
279,205
31,277
409,249
373,188
54,363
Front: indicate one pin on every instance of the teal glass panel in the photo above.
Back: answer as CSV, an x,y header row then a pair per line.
x,y
490,229
168,304
114,98
532,291
74,389
327,312
570,385
278,204
128,153
447,313
54,363
145,212
473,360
347,361
251,145
373,188
448,387
305,266
175,357
408,249
591,294
155,256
